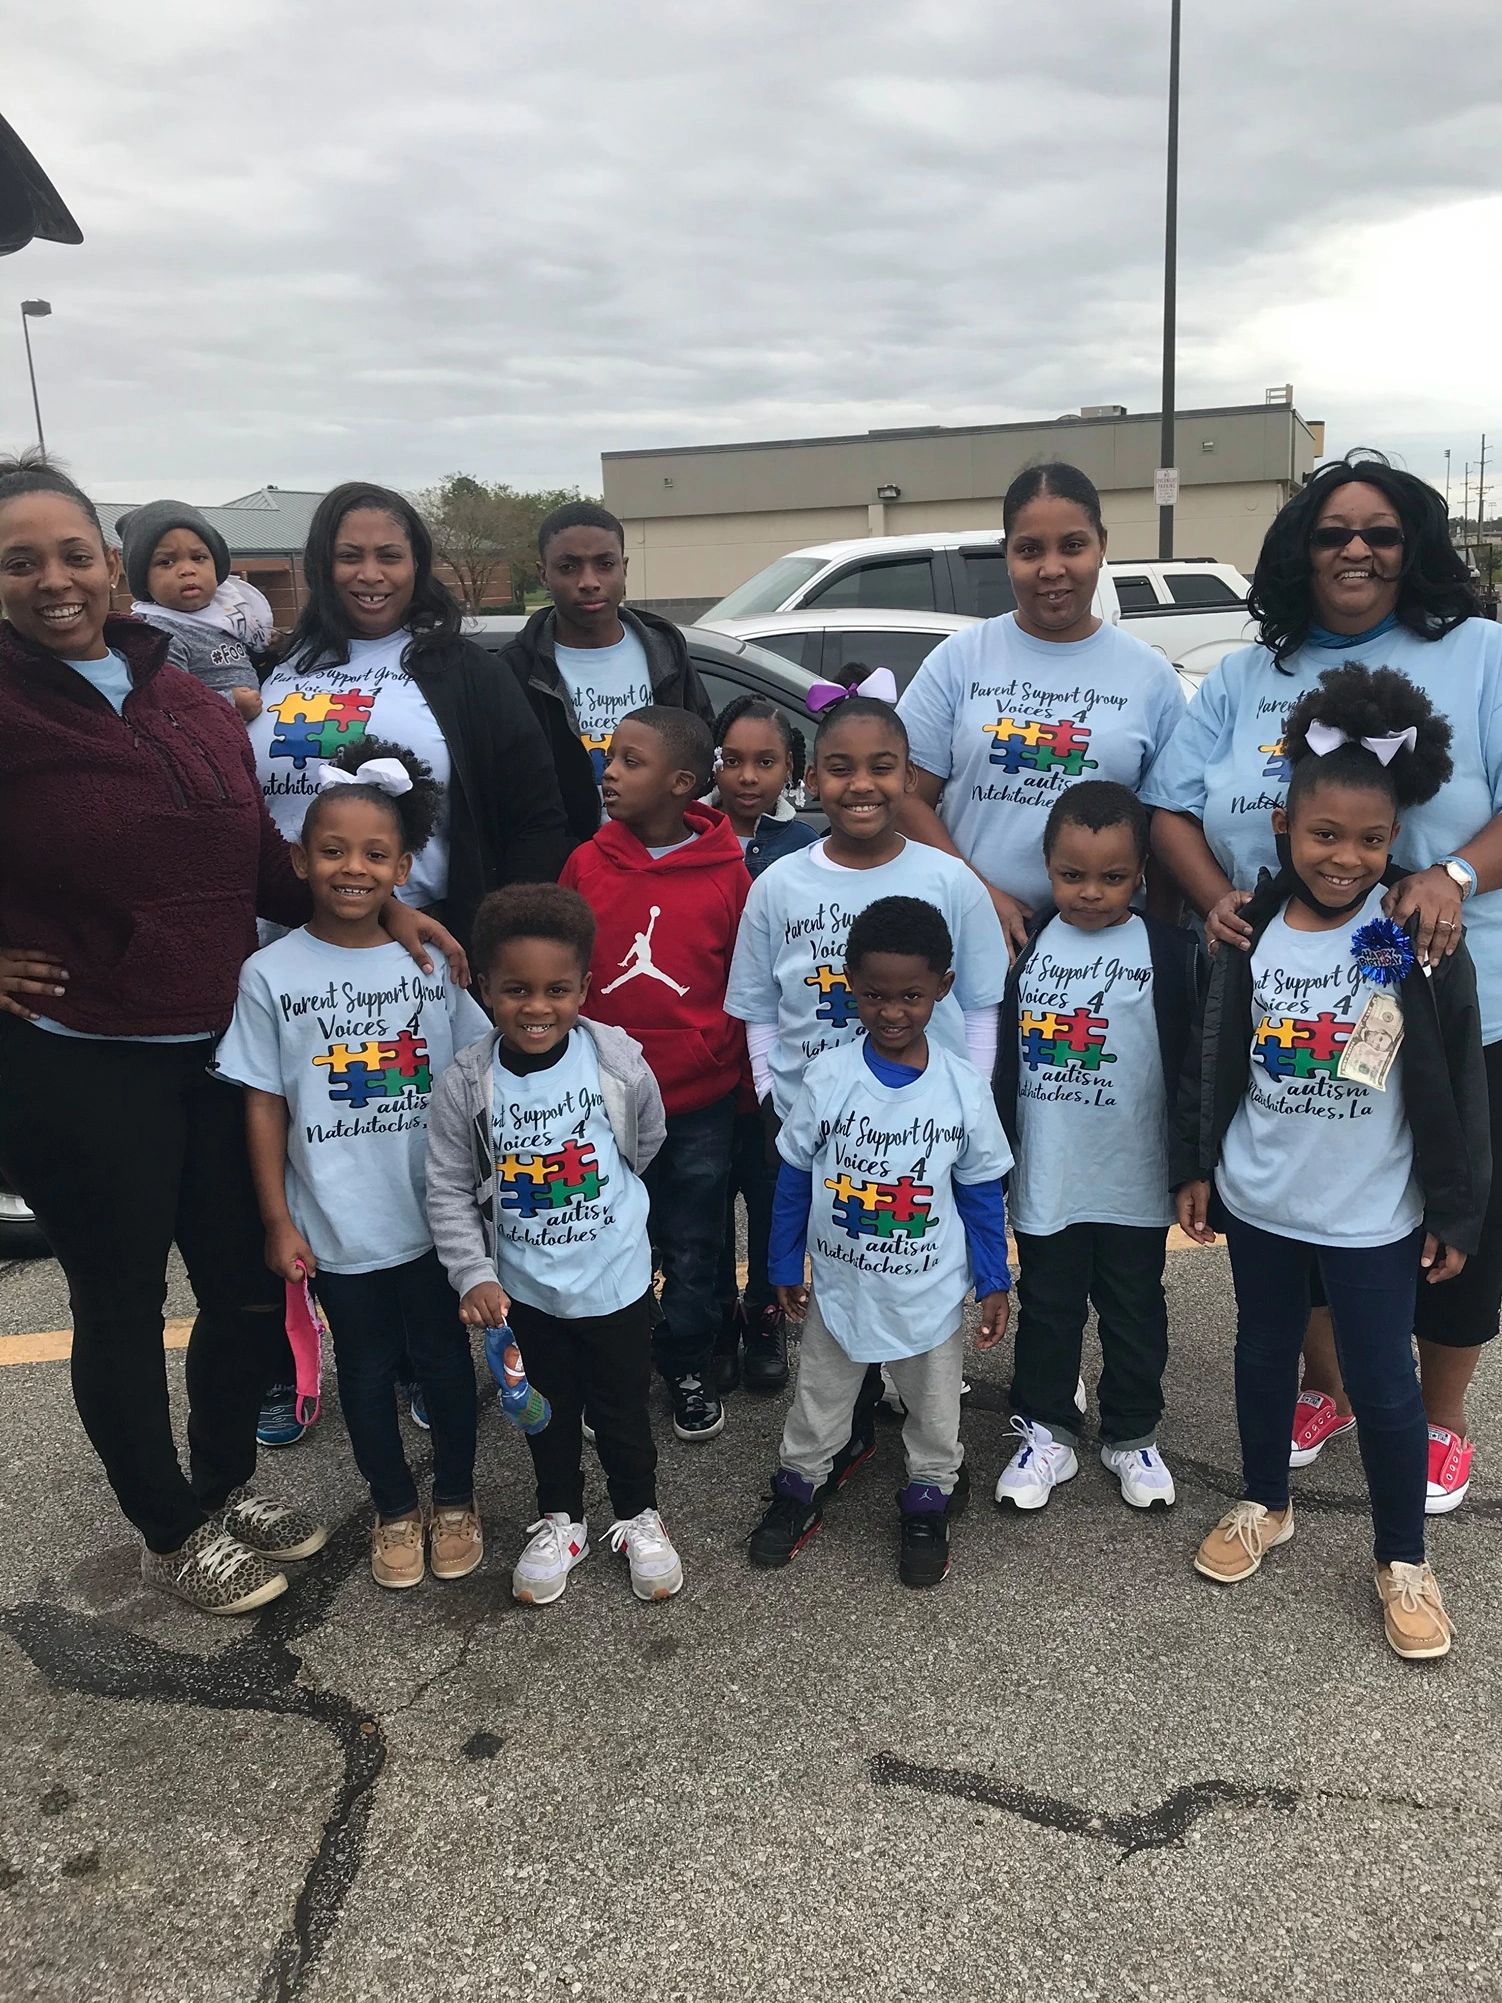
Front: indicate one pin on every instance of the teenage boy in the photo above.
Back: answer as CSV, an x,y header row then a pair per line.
x,y
586,660
666,882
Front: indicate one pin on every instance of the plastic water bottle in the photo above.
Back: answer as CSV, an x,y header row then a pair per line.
x,y
525,1408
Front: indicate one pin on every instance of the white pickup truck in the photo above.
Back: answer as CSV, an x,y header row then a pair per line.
x,y
1193,611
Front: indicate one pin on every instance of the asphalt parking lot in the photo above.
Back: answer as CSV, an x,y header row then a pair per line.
x,y
1075,1771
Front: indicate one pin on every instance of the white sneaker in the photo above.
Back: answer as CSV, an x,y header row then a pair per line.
x,y
557,1545
1038,1466
1145,1481
656,1572
1079,1396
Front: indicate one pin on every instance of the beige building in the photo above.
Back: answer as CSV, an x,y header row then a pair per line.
x,y
701,519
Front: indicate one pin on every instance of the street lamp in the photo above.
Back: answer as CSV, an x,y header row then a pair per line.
x,y
1167,482
34,309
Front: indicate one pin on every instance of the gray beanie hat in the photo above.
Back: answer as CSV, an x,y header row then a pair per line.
x,y
143,528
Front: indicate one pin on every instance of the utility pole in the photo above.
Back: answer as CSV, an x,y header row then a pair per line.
x,y
1447,486
1167,481
34,309
1481,491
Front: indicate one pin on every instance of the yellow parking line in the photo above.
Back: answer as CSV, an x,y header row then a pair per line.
x,y
55,1345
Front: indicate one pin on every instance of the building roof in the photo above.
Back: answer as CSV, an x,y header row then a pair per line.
x,y
272,521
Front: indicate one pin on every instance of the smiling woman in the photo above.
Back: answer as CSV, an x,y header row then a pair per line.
x,y
379,649
1359,567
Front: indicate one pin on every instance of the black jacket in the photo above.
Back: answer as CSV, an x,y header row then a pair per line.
x,y
1178,979
1444,1076
506,818
531,659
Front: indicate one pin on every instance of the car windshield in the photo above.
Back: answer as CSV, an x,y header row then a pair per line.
x,y
767,591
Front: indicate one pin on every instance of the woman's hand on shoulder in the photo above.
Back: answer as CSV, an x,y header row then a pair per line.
x,y
1014,916
416,932
25,970
1224,926
1433,897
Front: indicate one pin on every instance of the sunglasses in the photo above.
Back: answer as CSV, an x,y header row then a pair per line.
x,y
1379,536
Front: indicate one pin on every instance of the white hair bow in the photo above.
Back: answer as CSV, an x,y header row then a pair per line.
x,y
1323,738
389,774
880,683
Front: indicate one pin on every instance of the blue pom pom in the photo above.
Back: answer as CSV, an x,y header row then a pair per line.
x,y
1383,953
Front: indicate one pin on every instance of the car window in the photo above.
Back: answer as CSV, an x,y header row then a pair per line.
x,y
768,590
721,687
1201,587
803,649
904,586
989,589
1136,593
873,647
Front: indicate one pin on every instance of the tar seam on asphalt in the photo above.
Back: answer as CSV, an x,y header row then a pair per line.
x,y
258,1671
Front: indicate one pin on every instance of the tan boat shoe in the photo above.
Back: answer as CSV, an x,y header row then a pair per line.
x,y
1418,1628
396,1558
1235,1548
456,1544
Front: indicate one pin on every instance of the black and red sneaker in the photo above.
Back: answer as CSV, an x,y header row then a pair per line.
x,y
926,1511
793,1516
851,1458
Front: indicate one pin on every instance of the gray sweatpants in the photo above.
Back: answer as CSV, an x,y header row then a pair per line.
x,y
818,1424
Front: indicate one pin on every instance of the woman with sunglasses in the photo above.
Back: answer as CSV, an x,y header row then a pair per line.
x,y
1359,566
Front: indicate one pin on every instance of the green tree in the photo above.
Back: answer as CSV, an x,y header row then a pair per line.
x,y
487,533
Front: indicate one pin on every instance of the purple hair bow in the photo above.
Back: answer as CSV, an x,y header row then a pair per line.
x,y
880,683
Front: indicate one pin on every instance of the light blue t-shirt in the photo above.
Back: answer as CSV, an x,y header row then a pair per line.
x,y
604,684
890,1262
1092,1108
570,1212
1225,765
1007,722
311,709
353,1040
1308,1155
789,965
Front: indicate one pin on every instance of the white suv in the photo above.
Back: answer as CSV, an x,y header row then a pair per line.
x,y
1190,608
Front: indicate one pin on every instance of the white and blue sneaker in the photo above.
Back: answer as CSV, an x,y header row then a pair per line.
x,y
1145,1480
1036,1469
278,1424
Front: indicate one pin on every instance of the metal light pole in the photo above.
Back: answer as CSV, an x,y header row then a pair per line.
x,y
1447,485
1167,482
34,309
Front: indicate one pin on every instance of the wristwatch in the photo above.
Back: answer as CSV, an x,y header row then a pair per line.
x,y
1460,874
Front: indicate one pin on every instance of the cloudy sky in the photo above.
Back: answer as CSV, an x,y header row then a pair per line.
x,y
395,241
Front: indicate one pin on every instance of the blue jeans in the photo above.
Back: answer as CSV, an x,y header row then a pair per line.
x,y
376,1319
1371,1294
687,1186
753,1177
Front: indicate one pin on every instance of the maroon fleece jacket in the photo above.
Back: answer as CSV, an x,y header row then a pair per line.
x,y
665,933
135,850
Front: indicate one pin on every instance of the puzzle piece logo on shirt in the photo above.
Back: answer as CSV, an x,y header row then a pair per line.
x,y
1039,746
836,1003
1296,1046
362,1072
1277,767
1051,1039
536,1185
881,1209
318,725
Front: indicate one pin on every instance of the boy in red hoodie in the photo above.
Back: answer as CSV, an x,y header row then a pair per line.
x,y
666,881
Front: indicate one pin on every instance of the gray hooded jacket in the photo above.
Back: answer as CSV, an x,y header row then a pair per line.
x,y
461,1153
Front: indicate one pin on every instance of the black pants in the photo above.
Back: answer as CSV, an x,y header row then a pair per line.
x,y
378,1321
1462,1313
752,1177
1118,1267
120,1149
686,1184
603,1361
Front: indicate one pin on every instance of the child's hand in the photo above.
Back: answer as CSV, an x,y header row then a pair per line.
x,y
995,1313
287,1250
1440,1262
793,1301
1194,1205
486,1306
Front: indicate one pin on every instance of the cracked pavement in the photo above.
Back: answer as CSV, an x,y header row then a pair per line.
x,y
1073,1772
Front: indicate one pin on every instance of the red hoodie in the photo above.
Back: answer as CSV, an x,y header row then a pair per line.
x,y
662,954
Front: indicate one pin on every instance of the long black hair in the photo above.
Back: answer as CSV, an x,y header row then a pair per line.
x,y
322,631
1434,589
1368,702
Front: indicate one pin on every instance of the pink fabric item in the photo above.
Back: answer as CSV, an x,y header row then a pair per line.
x,y
305,1331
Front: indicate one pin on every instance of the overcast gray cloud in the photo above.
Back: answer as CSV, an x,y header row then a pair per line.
x,y
392,241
